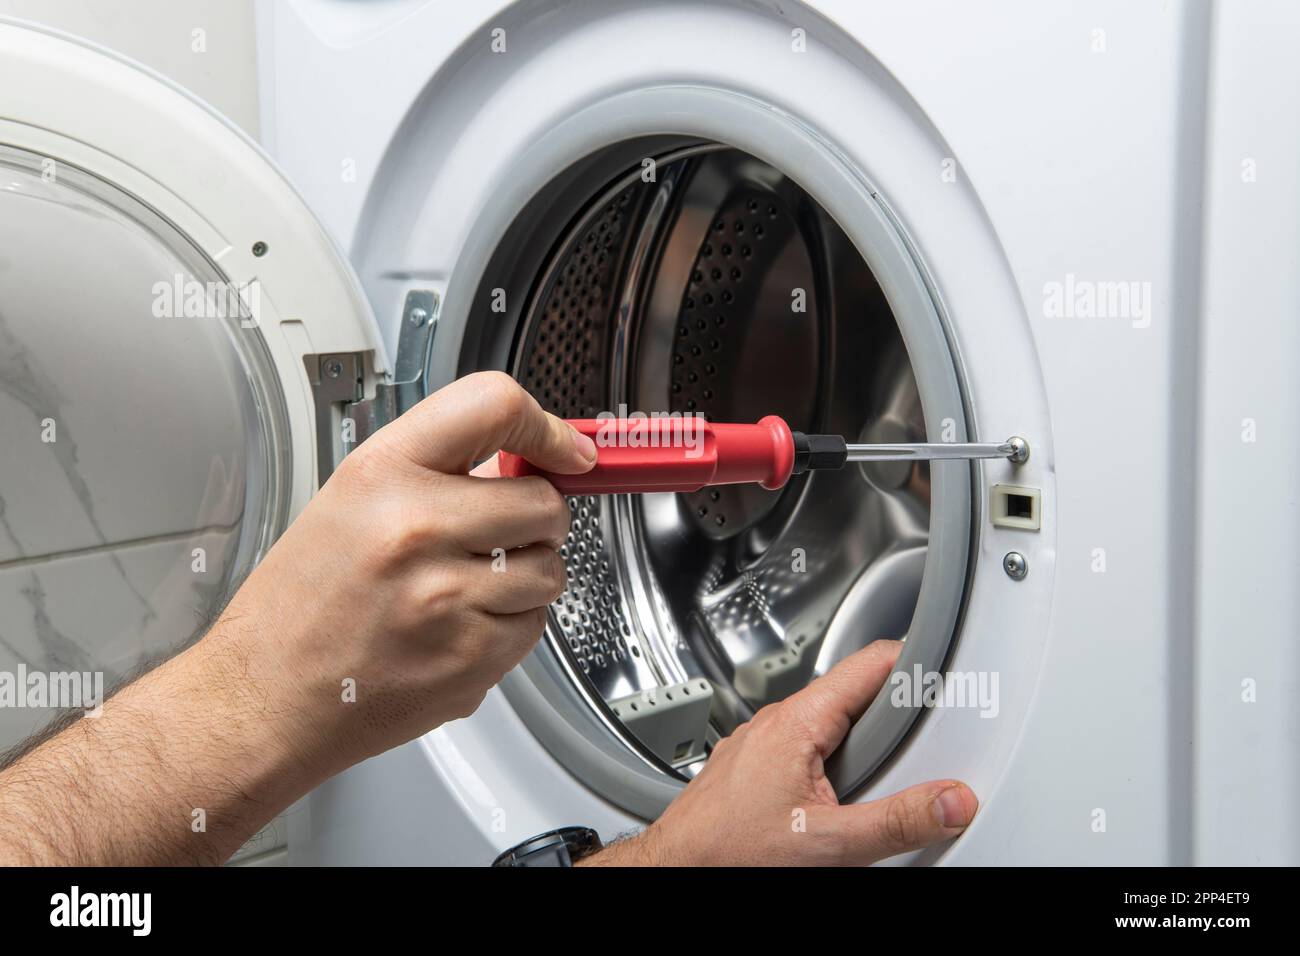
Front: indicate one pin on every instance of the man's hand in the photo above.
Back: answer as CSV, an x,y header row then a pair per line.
x,y
402,593
763,798
418,580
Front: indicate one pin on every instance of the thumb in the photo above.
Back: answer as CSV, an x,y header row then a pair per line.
x,y
911,819
476,415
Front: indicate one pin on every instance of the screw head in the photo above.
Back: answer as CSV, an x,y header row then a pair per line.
x,y
418,317
333,368
1019,450
259,249
1014,563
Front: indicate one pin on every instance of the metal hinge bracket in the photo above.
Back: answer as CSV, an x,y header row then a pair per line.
x,y
345,417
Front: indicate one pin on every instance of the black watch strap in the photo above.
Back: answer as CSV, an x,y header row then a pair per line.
x,y
562,847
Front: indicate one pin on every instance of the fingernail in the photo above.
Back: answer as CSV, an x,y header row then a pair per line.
x,y
950,808
586,447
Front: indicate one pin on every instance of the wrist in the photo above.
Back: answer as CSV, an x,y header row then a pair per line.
x,y
264,715
180,766
643,849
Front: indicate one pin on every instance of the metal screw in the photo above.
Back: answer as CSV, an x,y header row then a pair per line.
x,y
259,249
418,317
333,368
1015,565
1019,450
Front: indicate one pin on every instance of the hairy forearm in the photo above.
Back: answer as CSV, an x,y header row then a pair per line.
x,y
640,849
181,767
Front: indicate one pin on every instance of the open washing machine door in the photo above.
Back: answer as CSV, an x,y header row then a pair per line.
x,y
177,336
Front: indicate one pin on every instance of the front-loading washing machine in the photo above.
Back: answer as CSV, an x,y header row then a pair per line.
x,y
896,222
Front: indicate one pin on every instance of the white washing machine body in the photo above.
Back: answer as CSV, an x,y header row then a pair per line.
x,y
1105,236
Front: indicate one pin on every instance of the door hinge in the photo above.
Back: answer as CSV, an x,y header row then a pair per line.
x,y
345,417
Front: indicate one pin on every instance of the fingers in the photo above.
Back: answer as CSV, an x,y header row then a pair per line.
x,y
517,581
914,818
497,513
476,415
829,705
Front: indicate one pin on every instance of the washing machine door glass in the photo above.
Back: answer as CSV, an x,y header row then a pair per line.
x,y
156,427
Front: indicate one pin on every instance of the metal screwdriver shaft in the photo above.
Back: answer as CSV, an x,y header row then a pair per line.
x,y
1015,449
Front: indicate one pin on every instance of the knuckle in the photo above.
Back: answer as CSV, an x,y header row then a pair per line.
x,y
767,719
736,739
547,510
399,541
388,553
502,399
438,596
556,573
556,510
900,827
539,427
729,743
506,395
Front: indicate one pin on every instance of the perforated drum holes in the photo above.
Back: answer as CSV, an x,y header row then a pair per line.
x,y
597,636
566,365
725,282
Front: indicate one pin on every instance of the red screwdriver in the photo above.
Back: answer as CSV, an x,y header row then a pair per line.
x,y
680,453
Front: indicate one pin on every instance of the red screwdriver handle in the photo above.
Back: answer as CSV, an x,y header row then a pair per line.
x,y
671,454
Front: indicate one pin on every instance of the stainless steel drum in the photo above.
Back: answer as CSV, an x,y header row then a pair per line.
x,y
707,281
